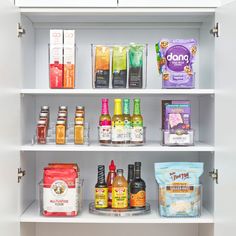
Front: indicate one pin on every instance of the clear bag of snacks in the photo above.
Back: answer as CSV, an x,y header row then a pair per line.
x,y
119,66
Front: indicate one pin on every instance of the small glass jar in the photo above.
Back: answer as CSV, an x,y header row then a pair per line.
x,y
61,132
41,132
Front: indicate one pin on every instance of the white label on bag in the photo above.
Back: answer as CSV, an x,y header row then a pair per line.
x,y
60,198
105,132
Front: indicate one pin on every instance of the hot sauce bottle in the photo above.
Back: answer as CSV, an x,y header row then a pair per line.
x,y
137,189
105,123
120,191
110,179
101,190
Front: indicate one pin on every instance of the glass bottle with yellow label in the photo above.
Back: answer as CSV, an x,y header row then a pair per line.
x,y
118,128
120,191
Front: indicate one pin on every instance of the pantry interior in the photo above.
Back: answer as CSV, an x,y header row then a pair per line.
x,y
111,26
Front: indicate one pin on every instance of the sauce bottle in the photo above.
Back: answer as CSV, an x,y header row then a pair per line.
x,y
127,119
137,189
130,179
105,123
120,191
101,190
60,132
110,179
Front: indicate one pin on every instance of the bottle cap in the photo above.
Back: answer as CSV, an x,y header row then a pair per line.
x,y
137,164
79,107
60,122
112,166
130,166
41,122
120,171
43,115
104,100
44,107
62,107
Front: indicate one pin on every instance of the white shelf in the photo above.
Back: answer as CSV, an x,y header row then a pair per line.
x,y
117,91
96,147
32,215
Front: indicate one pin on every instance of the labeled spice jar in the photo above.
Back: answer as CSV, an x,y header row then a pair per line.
x,y
44,117
61,132
41,132
62,116
79,132
79,117
80,110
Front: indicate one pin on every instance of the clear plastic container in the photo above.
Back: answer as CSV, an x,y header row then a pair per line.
x,y
51,135
62,66
140,136
178,137
180,200
105,76
79,197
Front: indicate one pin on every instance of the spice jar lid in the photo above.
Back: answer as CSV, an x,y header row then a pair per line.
x,y
61,115
79,107
79,122
62,107
60,122
44,107
41,122
79,115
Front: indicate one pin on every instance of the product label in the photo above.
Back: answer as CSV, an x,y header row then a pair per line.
x,y
179,139
127,130
101,197
119,197
60,134
60,198
138,199
137,134
118,132
79,134
105,132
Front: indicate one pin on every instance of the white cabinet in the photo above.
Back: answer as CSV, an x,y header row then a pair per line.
x,y
66,3
25,87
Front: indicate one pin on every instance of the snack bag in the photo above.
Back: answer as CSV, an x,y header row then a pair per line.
x,y
102,66
60,191
179,189
119,67
136,65
175,58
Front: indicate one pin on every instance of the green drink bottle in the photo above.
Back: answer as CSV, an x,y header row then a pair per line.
x,y
127,119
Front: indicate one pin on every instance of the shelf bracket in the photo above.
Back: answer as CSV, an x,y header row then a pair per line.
x,y
20,175
215,31
214,175
20,30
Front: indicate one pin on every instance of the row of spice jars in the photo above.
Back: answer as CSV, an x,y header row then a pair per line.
x,y
61,125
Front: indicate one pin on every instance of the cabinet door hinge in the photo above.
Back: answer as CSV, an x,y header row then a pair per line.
x,y
20,30
215,31
214,175
21,173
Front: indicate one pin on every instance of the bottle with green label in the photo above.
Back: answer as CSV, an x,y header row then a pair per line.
x,y
118,123
127,119
137,124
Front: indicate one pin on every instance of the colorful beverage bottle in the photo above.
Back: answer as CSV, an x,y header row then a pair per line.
x,y
127,120
120,191
105,123
137,189
110,179
118,128
137,124
101,190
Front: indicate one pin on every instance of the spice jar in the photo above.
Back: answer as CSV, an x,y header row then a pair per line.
x,y
44,116
79,132
80,110
41,132
79,117
61,132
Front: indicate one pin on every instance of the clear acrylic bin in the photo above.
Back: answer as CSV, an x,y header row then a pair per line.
x,y
178,137
138,134
104,74
51,135
62,66
180,200
42,198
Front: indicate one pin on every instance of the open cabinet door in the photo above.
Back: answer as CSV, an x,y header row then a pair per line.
x,y
225,113
10,75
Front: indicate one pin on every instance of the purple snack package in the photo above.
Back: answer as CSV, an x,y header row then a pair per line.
x,y
175,59
177,115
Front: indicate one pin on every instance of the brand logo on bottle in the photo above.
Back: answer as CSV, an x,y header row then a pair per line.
x,y
177,58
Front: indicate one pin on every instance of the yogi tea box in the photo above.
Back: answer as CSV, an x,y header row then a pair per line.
x,y
69,59
56,58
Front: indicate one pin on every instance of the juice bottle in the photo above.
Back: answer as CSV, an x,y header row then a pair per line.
x,y
127,119
120,191
137,124
105,123
101,190
110,179
118,123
